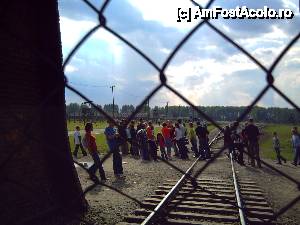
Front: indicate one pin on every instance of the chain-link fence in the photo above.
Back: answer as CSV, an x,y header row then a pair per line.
x,y
163,83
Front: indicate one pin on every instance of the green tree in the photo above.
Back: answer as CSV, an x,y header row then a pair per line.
x,y
73,110
109,108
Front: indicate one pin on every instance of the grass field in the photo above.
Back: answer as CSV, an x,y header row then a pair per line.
x,y
97,125
284,134
100,140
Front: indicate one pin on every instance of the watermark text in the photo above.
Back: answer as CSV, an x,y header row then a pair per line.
x,y
196,13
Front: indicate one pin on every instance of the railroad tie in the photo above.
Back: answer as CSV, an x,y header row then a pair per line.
x,y
211,202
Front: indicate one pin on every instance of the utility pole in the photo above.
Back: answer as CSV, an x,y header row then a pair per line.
x,y
193,114
167,110
113,103
148,105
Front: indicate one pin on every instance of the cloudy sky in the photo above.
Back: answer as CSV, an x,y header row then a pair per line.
x,y
207,69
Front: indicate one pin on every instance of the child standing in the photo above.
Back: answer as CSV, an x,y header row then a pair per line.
x,y
276,146
77,142
162,146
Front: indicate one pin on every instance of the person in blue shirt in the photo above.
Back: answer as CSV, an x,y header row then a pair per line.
x,y
142,142
113,143
296,146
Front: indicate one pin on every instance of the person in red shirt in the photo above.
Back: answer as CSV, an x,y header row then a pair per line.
x,y
151,141
172,135
162,146
90,142
166,133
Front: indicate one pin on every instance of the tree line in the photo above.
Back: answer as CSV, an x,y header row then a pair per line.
x,y
218,113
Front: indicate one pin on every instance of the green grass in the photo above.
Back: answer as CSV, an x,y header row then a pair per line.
x,y
266,146
284,134
97,125
210,127
100,140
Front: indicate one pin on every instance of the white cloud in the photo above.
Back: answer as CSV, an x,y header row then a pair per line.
x,y
73,30
164,12
240,98
71,69
287,76
150,77
113,43
276,36
293,55
289,82
198,78
267,47
165,50
291,4
214,79
266,55
208,47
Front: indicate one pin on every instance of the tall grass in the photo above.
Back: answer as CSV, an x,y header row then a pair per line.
x,y
97,125
284,134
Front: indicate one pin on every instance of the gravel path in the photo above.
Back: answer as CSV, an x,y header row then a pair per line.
x,y
95,131
279,190
109,207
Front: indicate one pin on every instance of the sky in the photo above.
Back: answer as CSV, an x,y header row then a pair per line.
x,y
207,70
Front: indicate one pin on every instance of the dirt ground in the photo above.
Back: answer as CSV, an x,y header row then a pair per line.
x,y
109,207
279,190
141,179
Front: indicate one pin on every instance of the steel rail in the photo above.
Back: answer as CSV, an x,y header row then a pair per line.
x,y
158,211
237,194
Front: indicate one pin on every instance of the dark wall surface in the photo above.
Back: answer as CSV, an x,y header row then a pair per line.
x,y
38,181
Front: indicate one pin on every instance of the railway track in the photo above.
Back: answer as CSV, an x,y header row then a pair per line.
x,y
214,200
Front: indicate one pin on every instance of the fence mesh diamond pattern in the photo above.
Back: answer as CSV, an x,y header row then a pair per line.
x,y
164,83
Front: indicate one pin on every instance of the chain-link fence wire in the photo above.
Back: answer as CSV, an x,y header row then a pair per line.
x,y
163,83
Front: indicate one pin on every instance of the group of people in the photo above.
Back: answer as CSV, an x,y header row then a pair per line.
x,y
295,143
170,137
174,137
144,144
246,139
